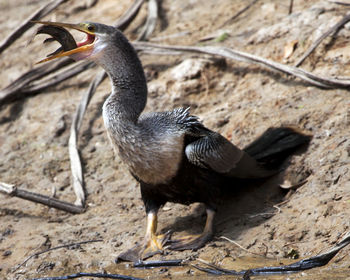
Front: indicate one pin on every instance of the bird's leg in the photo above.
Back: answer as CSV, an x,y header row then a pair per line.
x,y
153,244
192,242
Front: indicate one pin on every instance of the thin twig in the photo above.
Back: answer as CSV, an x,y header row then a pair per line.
x,y
250,58
224,270
240,246
158,263
12,190
261,215
312,262
60,77
290,10
125,20
88,274
239,13
75,162
340,2
55,248
28,24
151,21
20,85
331,30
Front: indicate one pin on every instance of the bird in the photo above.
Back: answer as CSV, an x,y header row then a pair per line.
x,y
173,156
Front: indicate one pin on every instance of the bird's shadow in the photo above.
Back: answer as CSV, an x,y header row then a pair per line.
x,y
245,208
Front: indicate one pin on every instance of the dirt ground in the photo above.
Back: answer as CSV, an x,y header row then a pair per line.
x,y
237,99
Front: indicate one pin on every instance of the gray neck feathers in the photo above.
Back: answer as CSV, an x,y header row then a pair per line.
x,y
129,86
123,107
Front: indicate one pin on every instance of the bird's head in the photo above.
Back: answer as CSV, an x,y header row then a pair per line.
x,y
97,38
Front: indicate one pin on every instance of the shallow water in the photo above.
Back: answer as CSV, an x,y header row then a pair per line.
x,y
331,271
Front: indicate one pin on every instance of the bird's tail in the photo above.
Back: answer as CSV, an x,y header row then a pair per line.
x,y
275,144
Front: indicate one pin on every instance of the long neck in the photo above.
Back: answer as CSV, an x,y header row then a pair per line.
x,y
129,86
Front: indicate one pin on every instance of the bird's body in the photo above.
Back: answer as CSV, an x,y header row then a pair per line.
x,y
173,156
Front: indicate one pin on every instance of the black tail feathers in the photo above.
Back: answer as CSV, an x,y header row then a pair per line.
x,y
275,144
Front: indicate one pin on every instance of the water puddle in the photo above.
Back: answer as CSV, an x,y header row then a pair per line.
x,y
331,271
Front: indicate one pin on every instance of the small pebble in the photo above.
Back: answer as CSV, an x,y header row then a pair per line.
x,y
7,253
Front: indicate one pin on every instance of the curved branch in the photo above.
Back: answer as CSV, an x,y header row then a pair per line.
x,y
304,75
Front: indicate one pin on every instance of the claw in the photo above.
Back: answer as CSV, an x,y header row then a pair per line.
x,y
152,245
194,242
190,242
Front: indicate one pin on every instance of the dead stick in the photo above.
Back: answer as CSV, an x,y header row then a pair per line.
x,y
339,2
151,21
28,24
125,20
62,76
12,190
312,262
76,168
88,274
55,248
240,246
313,79
290,7
240,12
158,263
334,28
34,74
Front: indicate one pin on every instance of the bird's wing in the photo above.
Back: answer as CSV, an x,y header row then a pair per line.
x,y
208,149
215,152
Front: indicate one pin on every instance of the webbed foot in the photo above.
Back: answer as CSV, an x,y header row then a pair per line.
x,y
153,244
190,242
194,242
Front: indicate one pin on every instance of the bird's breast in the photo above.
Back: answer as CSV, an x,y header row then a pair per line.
x,y
154,161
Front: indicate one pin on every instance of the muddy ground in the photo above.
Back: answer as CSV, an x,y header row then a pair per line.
x,y
237,99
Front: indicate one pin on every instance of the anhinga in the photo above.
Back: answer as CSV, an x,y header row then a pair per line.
x,y
172,155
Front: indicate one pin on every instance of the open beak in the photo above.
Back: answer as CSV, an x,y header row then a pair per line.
x,y
84,47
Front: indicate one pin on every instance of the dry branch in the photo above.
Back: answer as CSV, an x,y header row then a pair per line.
x,y
331,30
20,85
304,75
340,2
12,190
240,12
312,262
125,20
75,162
29,84
28,24
290,10
88,274
240,246
151,21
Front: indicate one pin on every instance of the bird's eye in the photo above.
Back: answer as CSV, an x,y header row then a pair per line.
x,y
90,27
